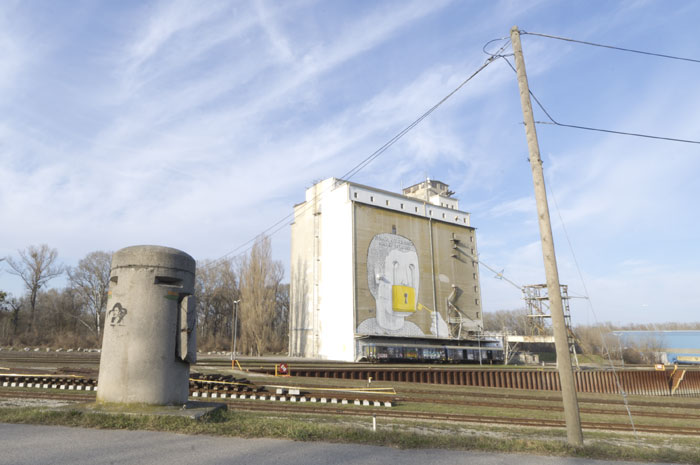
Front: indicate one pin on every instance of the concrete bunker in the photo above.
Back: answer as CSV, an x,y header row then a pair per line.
x,y
149,338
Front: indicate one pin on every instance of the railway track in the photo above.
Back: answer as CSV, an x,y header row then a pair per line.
x,y
463,418
14,394
241,394
241,405
549,408
582,400
221,384
683,382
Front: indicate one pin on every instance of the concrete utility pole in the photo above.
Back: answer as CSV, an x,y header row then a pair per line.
x,y
566,376
235,330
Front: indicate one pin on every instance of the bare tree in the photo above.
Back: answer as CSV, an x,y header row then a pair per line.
x,y
36,266
260,278
515,321
90,282
14,305
280,324
216,288
4,333
60,314
9,312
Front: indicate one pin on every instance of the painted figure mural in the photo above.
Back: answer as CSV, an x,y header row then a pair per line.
x,y
394,282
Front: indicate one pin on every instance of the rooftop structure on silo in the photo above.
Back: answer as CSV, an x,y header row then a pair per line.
x,y
433,192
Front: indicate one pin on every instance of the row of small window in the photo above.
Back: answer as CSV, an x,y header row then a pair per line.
x,y
430,212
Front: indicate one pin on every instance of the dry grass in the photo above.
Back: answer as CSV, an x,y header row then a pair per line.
x,y
403,434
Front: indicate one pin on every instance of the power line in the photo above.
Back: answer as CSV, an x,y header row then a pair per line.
x,y
610,131
280,224
497,54
497,274
588,128
622,49
398,136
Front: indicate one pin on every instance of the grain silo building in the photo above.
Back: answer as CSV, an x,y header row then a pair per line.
x,y
372,268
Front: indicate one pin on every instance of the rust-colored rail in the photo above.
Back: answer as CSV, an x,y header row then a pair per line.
x,y
633,382
412,415
510,421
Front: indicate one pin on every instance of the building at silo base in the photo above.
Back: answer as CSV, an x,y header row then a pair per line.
x,y
373,267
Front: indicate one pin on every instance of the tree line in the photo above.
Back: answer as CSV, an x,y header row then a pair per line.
x,y
596,339
73,316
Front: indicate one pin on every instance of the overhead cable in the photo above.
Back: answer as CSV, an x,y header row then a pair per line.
x,y
622,49
280,224
403,132
588,128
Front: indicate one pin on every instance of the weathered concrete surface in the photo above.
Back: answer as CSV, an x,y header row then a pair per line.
x,y
54,445
149,327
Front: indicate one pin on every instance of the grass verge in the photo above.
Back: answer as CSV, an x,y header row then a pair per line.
x,y
404,434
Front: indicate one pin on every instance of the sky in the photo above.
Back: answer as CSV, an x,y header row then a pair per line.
x,y
198,125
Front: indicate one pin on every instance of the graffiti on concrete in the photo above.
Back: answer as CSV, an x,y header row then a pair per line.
x,y
117,314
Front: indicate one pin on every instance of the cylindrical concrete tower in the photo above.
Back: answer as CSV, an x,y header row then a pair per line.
x,y
149,337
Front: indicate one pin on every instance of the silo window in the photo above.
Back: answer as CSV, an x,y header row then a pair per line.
x,y
354,194
393,229
114,279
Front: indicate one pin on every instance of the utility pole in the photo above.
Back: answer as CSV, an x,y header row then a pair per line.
x,y
566,375
235,330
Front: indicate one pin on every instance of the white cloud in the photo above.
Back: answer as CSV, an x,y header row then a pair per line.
x,y
13,58
521,205
164,22
279,42
197,125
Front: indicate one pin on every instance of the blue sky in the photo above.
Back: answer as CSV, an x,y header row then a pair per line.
x,y
197,125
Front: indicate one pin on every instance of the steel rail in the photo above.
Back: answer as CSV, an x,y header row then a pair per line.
x,y
480,419
235,404
549,398
632,382
550,408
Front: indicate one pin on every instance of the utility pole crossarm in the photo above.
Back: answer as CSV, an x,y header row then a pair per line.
x,y
566,376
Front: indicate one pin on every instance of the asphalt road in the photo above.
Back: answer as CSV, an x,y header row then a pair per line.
x,y
48,445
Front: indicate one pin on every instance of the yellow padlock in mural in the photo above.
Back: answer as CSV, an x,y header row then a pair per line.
x,y
403,298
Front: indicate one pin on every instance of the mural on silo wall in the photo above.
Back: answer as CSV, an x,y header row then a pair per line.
x,y
394,276
393,279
